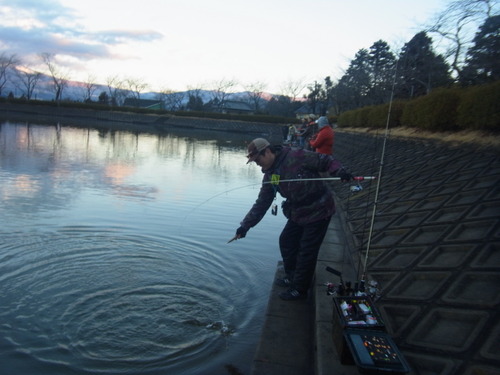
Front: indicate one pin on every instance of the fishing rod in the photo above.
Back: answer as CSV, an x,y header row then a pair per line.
x,y
275,182
356,178
372,285
379,179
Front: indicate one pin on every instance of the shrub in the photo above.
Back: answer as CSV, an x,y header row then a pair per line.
x,y
373,116
436,111
380,113
332,119
479,108
345,119
444,109
362,117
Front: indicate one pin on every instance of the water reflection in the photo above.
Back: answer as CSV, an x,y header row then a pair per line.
x,y
113,255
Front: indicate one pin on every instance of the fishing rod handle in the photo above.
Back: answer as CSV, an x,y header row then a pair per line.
x,y
361,178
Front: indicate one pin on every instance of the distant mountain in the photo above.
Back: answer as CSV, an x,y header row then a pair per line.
x,y
76,91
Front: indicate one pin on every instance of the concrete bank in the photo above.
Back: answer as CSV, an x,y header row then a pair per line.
x,y
435,252
134,122
296,336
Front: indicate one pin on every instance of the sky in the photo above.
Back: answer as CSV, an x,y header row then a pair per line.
x,y
182,44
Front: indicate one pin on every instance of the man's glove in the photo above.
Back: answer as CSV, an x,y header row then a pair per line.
x,y
241,232
344,176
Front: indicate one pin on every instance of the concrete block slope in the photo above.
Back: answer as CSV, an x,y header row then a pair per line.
x,y
435,247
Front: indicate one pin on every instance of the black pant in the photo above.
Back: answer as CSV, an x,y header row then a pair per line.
x,y
299,246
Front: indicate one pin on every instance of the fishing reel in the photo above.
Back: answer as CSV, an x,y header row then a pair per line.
x,y
274,209
356,188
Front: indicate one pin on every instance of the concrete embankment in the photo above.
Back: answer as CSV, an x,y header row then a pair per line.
x,y
434,249
133,121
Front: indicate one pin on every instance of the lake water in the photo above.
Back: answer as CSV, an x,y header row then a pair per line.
x,y
114,255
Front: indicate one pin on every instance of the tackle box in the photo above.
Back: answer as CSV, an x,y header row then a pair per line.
x,y
353,313
374,352
357,312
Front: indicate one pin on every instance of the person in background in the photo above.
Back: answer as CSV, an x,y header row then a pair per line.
x,y
309,131
322,141
284,131
300,133
292,134
309,207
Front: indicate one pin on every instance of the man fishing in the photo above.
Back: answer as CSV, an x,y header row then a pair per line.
x,y
309,206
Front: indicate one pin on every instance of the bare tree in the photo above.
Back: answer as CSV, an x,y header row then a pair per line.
x,y
255,91
26,81
173,101
7,63
221,90
457,25
116,90
89,88
292,89
135,87
59,78
287,102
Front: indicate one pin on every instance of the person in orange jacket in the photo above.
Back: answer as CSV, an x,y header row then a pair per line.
x,y
323,141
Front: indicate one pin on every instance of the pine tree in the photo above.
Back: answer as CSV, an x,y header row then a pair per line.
x,y
483,58
420,69
382,62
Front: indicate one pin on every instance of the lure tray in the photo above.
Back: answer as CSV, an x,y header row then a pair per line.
x,y
374,352
357,312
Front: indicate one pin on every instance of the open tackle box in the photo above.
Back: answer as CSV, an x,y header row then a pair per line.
x,y
360,336
356,312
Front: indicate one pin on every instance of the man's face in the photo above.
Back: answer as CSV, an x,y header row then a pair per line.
x,y
266,160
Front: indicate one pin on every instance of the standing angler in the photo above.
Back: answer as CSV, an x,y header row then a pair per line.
x,y
322,141
309,207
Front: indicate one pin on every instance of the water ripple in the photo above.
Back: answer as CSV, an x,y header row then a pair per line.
x,y
105,300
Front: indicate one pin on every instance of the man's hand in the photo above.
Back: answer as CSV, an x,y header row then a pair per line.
x,y
240,233
345,176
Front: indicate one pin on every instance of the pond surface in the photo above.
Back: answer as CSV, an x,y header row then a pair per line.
x,y
114,255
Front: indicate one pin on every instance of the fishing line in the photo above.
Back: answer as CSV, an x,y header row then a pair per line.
x,y
351,156
213,197
357,178
365,218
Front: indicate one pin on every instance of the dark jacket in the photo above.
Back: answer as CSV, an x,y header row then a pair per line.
x,y
306,201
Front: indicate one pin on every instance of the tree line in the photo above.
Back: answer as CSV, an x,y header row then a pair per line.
x,y
377,74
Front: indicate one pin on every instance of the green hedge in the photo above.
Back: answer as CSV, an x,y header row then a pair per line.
x,y
373,116
344,120
444,109
479,108
380,114
359,118
436,111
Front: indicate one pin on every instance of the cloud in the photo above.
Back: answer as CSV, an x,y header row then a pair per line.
x,y
26,43
122,36
44,10
31,27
